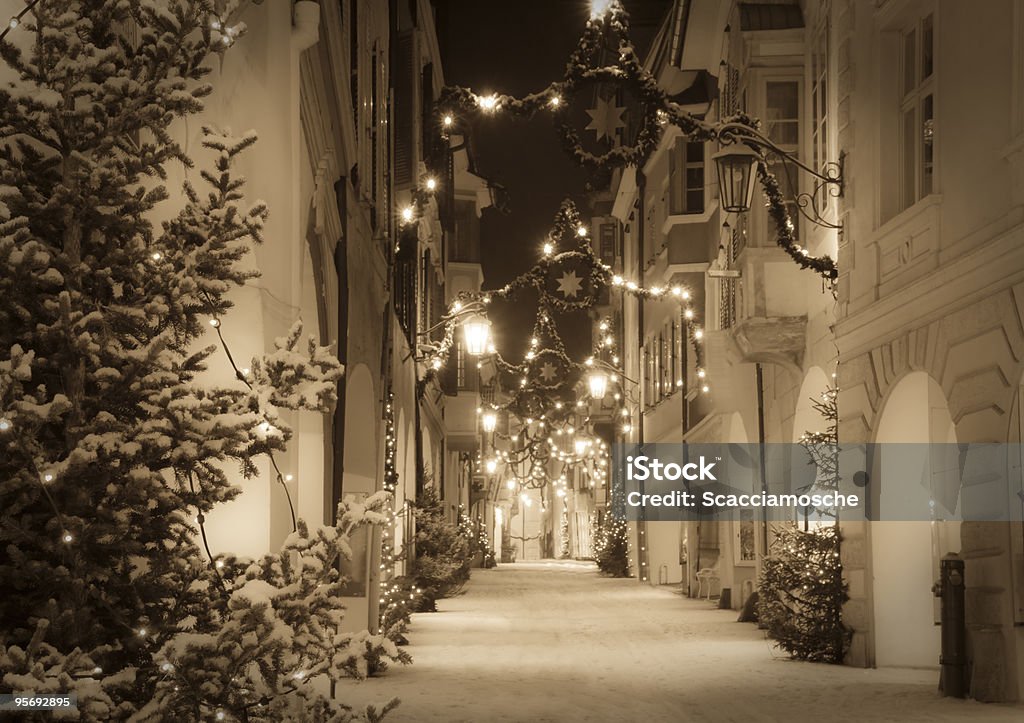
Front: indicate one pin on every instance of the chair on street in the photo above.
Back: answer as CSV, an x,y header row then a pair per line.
x,y
706,577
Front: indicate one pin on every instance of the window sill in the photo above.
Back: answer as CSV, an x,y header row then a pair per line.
x,y
680,219
907,215
657,405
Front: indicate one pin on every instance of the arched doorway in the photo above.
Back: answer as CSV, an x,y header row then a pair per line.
x,y
360,480
905,554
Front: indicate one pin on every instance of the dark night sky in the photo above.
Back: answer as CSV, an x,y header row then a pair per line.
x,y
520,47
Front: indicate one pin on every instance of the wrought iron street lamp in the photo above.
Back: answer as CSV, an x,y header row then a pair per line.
x,y
477,332
737,175
490,422
597,381
743,148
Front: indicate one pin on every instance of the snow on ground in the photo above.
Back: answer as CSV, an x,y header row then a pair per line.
x,y
555,641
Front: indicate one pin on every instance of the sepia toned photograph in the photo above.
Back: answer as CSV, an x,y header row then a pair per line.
x,y
543,361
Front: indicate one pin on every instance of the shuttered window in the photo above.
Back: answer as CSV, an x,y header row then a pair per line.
x,y
405,110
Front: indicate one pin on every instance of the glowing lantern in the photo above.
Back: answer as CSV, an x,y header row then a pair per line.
x,y
477,332
736,176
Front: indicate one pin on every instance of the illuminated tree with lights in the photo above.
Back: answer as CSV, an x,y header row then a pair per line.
x,y
801,595
113,445
611,547
801,590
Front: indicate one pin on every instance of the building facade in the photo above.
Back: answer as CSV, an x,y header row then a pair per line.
x,y
341,96
923,333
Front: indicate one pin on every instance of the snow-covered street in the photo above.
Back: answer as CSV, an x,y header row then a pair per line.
x,y
554,641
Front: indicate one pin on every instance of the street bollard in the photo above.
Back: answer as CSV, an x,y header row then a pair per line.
x,y
950,589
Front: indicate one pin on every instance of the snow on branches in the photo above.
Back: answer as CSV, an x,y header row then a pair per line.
x,y
279,630
114,446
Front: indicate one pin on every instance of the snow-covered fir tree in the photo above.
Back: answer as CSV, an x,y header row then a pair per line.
x,y
440,568
112,446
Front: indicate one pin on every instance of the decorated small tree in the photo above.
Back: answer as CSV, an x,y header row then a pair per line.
x,y
441,565
801,589
802,592
114,446
611,547
563,535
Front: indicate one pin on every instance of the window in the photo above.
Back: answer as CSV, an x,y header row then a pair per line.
x,y
782,125
353,56
675,374
664,345
649,379
686,177
917,112
607,237
819,104
745,548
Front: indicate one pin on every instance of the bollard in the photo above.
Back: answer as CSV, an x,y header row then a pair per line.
x,y
953,659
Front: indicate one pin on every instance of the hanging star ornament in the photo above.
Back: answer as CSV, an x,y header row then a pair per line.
x,y
570,284
606,118
547,372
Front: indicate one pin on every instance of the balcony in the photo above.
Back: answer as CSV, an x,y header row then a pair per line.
x,y
763,309
461,420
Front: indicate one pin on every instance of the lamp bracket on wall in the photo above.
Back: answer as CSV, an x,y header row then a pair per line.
x,y
829,181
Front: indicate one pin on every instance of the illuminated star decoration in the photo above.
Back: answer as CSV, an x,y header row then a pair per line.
x,y
606,118
570,284
547,372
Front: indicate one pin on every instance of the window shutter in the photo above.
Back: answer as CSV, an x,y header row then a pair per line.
x,y
405,110
429,127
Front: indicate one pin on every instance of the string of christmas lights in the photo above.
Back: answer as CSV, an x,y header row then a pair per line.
x,y
397,596
654,112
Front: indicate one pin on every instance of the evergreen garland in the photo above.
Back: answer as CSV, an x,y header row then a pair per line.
x,y
655,111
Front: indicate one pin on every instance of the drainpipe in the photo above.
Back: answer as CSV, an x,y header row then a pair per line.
x,y
760,441
641,525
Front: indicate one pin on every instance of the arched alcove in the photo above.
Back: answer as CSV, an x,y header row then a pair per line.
x,y
361,453
905,550
806,418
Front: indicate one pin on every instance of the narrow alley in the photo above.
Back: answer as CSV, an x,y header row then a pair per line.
x,y
555,641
